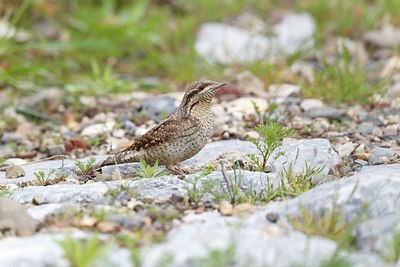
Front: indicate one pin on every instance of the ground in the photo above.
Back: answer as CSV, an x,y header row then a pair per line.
x,y
303,166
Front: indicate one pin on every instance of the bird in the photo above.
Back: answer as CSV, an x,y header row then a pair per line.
x,y
179,136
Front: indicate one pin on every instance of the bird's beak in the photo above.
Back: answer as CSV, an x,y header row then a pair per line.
x,y
217,86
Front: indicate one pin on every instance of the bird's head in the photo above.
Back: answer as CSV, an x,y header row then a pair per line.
x,y
199,94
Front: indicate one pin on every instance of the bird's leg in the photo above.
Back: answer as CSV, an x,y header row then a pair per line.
x,y
175,169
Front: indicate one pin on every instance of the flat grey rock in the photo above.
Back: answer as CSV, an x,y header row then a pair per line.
x,y
263,244
163,187
14,217
312,152
40,212
45,166
63,192
326,112
377,186
42,250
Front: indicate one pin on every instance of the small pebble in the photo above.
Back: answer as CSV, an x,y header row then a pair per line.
x,y
14,171
226,208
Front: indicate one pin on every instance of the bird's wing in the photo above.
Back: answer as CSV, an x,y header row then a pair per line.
x,y
169,129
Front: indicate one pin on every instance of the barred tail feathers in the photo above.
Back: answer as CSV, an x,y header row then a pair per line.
x,y
122,157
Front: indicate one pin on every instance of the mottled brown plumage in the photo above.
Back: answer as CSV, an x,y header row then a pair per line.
x,y
180,136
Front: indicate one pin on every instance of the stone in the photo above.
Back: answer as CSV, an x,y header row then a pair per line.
x,y
9,137
14,217
366,128
56,150
284,90
245,105
262,243
226,44
250,84
313,152
40,212
380,155
15,161
49,98
62,193
62,166
44,250
157,108
310,103
14,171
97,129
386,37
346,149
326,112
225,208
128,222
6,152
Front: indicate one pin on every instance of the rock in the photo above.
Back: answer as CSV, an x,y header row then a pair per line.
x,y
63,166
284,90
314,152
294,31
215,149
6,152
262,243
49,98
56,150
44,250
13,217
346,149
118,133
140,131
226,208
361,153
326,112
11,137
108,227
15,161
62,193
380,155
226,44
386,37
157,108
250,84
310,103
366,128
245,105
40,212
128,222
14,171
97,129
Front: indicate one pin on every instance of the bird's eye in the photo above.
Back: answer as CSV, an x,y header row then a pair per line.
x,y
202,86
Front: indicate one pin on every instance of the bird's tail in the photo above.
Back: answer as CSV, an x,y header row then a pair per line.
x,y
122,157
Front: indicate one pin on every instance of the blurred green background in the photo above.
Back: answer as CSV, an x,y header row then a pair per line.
x,y
98,47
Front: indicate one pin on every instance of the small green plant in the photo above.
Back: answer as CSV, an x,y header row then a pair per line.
x,y
207,170
329,223
43,178
83,168
85,253
393,248
294,184
272,134
344,81
195,191
4,191
335,261
148,171
217,257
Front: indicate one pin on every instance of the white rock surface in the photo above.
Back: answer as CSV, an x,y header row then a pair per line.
x,y
225,44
